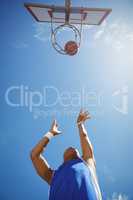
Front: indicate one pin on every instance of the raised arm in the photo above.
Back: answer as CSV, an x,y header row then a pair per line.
x,y
87,148
40,163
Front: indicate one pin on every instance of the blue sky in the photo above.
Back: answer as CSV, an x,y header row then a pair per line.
x,y
101,73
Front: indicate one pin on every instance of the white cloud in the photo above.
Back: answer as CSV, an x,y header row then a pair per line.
x,y
42,32
116,196
101,31
118,35
98,34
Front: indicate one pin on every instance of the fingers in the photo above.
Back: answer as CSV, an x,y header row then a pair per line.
x,y
84,115
87,113
55,123
88,117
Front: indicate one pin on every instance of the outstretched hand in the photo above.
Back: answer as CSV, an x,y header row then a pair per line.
x,y
83,116
54,128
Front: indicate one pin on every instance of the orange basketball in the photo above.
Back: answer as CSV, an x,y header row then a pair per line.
x,y
71,48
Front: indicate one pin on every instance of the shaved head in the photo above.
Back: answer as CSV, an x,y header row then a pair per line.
x,y
71,153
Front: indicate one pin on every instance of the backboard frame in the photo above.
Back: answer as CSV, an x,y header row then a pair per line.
x,y
62,9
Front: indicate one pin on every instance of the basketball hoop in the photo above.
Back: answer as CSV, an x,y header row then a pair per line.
x,y
71,47
69,17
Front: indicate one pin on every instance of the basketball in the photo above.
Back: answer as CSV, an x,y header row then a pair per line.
x,y
71,48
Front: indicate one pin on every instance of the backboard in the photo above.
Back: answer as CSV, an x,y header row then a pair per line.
x,y
88,16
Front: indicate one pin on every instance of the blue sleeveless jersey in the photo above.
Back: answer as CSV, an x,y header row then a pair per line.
x,y
72,181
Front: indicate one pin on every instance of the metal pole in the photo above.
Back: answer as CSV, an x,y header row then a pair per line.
x,y
67,10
